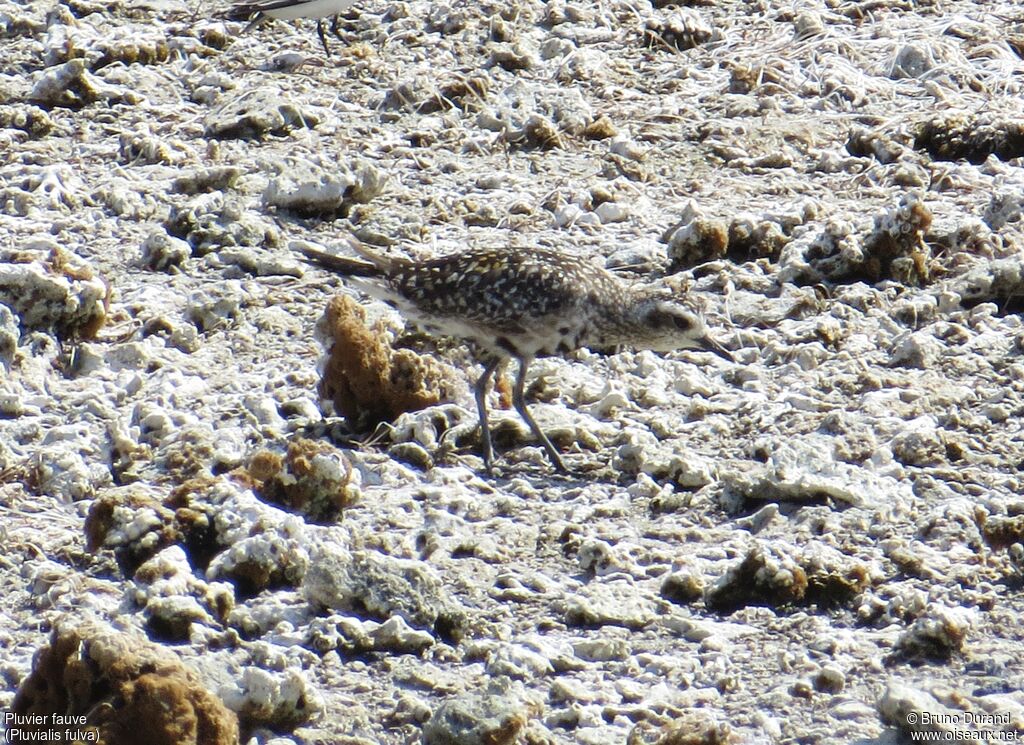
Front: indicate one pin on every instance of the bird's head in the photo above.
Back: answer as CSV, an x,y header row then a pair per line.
x,y
668,325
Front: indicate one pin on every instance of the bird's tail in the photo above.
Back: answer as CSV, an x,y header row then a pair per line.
x,y
370,265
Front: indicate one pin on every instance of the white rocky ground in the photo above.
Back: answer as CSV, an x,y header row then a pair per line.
x,y
817,544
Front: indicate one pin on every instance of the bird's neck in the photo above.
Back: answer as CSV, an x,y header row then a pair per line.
x,y
616,320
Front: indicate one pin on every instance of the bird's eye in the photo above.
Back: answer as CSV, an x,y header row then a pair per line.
x,y
682,322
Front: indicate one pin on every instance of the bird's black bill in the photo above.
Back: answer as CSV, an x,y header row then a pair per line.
x,y
713,346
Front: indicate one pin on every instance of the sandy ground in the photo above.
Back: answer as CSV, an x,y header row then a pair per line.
x,y
819,543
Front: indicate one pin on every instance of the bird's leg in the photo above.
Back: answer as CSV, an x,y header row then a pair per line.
x,y
481,407
519,401
320,33
257,21
334,27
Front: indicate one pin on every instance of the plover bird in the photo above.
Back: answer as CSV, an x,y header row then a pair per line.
x,y
288,10
523,303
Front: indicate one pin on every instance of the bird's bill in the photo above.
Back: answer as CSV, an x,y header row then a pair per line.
x,y
706,342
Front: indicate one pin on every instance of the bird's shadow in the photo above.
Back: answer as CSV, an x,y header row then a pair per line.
x,y
543,475
539,474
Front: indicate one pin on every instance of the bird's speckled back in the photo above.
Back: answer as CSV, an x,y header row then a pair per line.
x,y
508,289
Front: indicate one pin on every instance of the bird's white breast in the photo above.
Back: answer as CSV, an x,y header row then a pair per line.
x,y
310,9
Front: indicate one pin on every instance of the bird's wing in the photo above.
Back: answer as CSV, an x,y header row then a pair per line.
x,y
243,11
343,265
